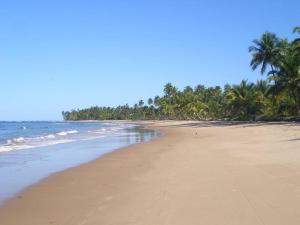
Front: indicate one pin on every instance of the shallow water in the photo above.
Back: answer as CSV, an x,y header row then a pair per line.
x,y
31,134
22,168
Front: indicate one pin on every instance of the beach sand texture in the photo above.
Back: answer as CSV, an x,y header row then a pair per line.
x,y
210,173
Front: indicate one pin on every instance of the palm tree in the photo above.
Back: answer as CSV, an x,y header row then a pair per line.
x,y
170,90
296,42
156,101
242,100
265,52
141,103
287,79
296,29
150,101
262,86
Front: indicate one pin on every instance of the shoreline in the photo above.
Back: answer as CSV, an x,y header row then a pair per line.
x,y
191,173
23,168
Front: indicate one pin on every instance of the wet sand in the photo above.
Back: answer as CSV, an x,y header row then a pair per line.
x,y
210,173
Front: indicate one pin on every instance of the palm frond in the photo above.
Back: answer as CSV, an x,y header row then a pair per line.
x,y
296,30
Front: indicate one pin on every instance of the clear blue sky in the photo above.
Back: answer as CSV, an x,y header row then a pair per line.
x,y
59,55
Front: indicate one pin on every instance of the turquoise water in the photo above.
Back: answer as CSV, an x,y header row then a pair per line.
x,y
28,156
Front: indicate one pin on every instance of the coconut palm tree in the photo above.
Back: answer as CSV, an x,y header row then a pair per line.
x,y
141,103
264,52
156,101
287,79
242,100
170,90
150,101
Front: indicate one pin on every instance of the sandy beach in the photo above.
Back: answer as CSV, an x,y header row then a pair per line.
x,y
210,173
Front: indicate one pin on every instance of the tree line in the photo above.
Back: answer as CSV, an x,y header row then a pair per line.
x,y
277,97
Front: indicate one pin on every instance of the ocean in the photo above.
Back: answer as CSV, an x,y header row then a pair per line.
x,y
31,151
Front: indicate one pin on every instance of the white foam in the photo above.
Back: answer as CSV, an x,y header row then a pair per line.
x,y
6,148
58,138
64,133
107,130
72,132
49,136
96,132
20,139
33,142
15,141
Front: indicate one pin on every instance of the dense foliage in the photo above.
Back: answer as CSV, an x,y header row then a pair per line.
x,y
276,98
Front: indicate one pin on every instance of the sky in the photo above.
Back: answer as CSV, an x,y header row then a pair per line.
x,y
69,54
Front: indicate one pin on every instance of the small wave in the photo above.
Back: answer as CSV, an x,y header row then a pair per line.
x,y
96,132
19,143
72,132
49,136
64,133
6,148
106,130
19,139
32,142
11,147
15,140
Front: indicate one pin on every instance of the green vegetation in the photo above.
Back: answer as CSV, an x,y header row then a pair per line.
x,y
276,98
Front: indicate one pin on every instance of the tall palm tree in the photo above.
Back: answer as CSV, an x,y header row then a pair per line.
x,y
264,52
287,79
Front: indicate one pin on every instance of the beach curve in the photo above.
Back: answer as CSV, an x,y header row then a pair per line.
x,y
194,173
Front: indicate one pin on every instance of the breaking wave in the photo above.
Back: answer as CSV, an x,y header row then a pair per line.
x,y
33,142
59,137
64,133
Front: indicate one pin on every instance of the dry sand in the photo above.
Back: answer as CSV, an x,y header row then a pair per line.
x,y
209,173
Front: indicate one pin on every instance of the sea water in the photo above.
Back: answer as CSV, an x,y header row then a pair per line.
x,y
31,151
